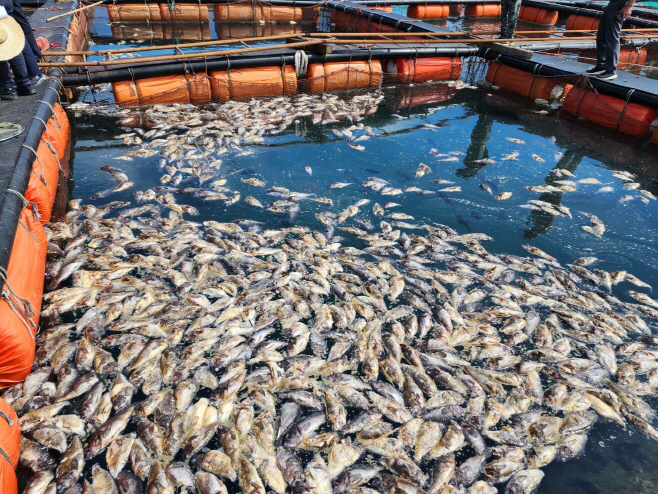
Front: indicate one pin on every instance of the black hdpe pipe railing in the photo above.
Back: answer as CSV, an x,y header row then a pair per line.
x,y
245,62
639,11
572,44
603,87
12,205
568,9
399,22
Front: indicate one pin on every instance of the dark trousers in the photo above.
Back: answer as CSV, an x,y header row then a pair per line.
x,y
607,37
30,61
19,16
509,14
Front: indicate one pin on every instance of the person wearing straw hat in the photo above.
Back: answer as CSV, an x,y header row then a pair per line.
x,y
33,53
12,44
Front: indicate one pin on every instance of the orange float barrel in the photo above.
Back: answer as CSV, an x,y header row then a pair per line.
x,y
8,482
136,12
579,22
614,113
189,88
10,433
342,75
20,304
523,83
428,11
252,83
482,10
270,13
185,12
538,16
425,69
42,187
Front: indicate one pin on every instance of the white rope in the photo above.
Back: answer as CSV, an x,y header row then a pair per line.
x,y
26,203
22,310
301,64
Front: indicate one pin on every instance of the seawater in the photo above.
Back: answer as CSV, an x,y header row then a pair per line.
x,y
476,123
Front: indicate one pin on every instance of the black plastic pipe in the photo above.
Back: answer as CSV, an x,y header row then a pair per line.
x,y
165,69
571,44
603,87
13,205
637,10
400,22
568,9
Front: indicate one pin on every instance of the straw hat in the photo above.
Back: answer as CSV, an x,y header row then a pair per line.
x,y
12,39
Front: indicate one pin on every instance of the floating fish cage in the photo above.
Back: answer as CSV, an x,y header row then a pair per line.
x,y
234,315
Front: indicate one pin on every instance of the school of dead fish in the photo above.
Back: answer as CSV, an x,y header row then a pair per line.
x,y
216,357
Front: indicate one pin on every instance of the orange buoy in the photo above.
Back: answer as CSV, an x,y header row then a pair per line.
x,y
425,69
50,153
10,433
186,12
20,304
524,83
579,22
428,11
252,83
614,113
342,75
189,88
8,482
270,13
134,12
538,16
367,25
482,10
237,12
42,187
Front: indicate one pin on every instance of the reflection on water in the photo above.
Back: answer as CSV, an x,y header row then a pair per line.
x,y
473,126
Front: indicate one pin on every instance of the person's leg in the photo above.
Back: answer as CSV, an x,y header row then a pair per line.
x,y
5,76
513,17
19,16
19,69
21,78
613,33
33,69
7,89
601,40
505,8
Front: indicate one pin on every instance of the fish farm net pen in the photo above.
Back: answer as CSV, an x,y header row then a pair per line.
x,y
578,96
